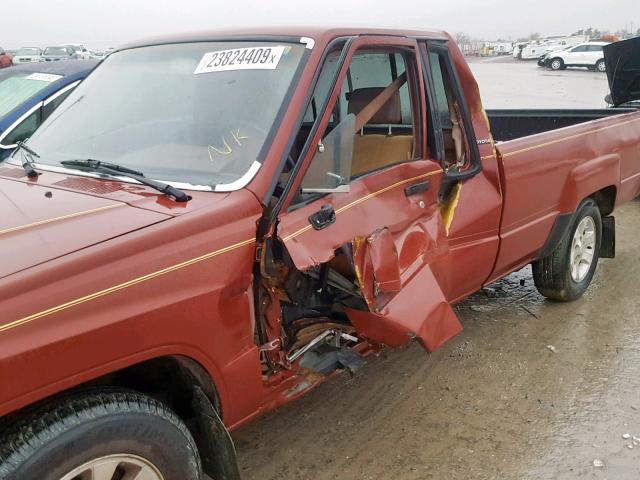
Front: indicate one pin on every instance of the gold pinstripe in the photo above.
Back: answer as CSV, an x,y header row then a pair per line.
x,y
570,137
207,256
124,285
363,199
56,219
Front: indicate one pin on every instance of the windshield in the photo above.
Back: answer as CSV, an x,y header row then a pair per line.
x,y
55,51
18,86
28,51
195,113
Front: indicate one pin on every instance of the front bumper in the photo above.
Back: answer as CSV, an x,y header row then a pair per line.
x,y
543,61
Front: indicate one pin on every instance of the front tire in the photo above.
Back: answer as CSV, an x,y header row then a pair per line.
x,y
601,66
556,64
102,435
566,273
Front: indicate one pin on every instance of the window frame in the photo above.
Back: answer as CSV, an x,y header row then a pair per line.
x,y
418,105
475,164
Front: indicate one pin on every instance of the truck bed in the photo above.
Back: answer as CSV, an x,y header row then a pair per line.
x,y
508,124
546,176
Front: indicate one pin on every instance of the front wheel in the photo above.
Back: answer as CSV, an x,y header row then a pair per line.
x,y
556,64
102,435
601,66
566,273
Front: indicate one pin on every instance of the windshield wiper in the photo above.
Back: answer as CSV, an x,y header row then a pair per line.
x,y
27,164
94,164
114,169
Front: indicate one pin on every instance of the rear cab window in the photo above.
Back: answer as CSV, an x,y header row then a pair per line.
x,y
450,135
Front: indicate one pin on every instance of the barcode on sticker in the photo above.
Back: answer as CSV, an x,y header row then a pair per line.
x,y
253,58
43,77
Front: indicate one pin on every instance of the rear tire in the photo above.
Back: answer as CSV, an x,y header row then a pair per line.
x,y
566,273
113,433
556,64
601,66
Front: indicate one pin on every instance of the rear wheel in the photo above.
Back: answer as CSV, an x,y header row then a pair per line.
x,y
556,64
566,273
102,435
601,66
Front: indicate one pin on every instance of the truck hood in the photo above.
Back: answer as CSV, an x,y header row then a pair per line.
x,y
38,223
623,70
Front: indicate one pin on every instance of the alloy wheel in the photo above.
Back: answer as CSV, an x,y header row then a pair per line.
x,y
582,249
115,467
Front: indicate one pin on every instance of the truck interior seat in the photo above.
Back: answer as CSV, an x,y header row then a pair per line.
x,y
375,150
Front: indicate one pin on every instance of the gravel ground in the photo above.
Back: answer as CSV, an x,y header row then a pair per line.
x,y
529,390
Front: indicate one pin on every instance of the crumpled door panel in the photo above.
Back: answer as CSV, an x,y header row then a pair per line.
x,y
375,258
420,310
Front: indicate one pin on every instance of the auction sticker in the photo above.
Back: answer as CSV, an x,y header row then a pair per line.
x,y
252,58
44,77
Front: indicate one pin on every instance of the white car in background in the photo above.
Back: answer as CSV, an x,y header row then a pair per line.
x,y
79,50
27,55
587,55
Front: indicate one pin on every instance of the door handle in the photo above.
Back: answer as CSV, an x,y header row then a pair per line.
x,y
323,217
416,188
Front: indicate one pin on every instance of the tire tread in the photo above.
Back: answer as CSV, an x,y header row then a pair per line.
x,y
24,434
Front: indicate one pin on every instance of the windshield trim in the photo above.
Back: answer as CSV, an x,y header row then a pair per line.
x,y
308,42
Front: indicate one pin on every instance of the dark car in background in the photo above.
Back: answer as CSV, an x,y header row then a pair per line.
x,y
50,54
30,93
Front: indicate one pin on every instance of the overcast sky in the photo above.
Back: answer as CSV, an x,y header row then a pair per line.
x,y
101,23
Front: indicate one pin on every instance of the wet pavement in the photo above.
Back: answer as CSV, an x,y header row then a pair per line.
x,y
530,389
508,83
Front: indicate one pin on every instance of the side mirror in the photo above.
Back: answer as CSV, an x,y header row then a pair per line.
x,y
608,99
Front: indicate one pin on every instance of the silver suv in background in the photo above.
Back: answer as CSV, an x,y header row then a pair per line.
x,y
27,55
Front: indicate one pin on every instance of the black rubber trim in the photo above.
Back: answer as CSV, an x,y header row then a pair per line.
x,y
608,242
217,452
558,231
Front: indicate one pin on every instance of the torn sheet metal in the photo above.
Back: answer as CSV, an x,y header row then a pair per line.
x,y
419,310
375,258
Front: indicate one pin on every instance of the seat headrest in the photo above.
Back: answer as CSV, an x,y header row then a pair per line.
x,y
389,113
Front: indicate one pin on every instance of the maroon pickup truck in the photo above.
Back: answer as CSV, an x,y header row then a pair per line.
x,y
210,225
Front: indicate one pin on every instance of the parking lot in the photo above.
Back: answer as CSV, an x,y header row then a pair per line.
x,y
508,83
530,389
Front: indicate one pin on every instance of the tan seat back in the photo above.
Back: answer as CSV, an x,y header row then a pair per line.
x,y
374,151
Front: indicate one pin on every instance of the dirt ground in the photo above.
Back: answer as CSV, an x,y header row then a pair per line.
x,y
529,390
